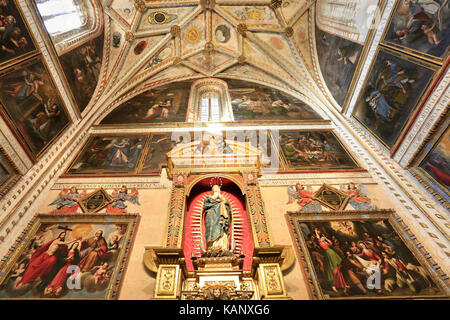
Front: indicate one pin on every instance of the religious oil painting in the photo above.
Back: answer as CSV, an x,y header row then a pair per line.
x,y
32,104
156,155
437,166
15,40
354,256
259,103
393,90
109,155
421,27
166,104
68,257
313,150
338,59
82,67
9,174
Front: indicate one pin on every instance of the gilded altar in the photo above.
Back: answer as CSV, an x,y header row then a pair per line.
x,y
185,267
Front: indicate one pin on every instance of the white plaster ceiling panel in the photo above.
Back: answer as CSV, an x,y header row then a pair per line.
x,y
194,35
224,35
171,73
161,57
289,8
278,43
140,48
246,71
253,16
301,41
255,56
118,48
163,18
210,62
124,10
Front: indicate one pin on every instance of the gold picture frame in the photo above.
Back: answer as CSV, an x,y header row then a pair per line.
x,y
75,227
419,271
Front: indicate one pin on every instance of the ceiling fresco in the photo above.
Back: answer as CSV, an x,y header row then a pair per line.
x,y
154,41
249,102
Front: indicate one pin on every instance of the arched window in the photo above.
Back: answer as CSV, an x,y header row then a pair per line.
x,y
210,107
70,22
61,16
210,101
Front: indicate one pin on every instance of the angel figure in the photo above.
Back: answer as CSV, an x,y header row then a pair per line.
x,y
359,196
101,273
120,197
305,198
66,202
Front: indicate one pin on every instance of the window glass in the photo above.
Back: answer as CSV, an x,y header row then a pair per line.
x,y
61,16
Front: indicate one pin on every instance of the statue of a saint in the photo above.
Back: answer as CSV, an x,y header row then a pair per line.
x,y
217,211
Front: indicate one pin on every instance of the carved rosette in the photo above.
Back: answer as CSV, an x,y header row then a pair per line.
x,y
289,32
209,47
275,4
242,29
241,59
139,5
129,36
175,31
177,61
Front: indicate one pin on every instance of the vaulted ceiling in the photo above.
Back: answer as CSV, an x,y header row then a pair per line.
x,y
149,43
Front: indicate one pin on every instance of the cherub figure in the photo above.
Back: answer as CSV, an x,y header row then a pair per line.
x,y
101,273
359,196
19,269
113,243
66,202
120,197
304,198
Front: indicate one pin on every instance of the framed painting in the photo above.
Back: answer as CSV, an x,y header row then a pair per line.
x,y
156,154
89,256
313,150
9,175
166,104
420,28
82,67
435,167
16,42
349,255
338,60
254,102
109,155
31,105
394,88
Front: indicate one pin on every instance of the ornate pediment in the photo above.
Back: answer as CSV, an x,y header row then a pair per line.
x,y
212,154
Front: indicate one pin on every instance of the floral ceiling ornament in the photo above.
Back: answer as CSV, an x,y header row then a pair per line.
x,y
289,32
175,31
140,5
129,36
242,28
274,4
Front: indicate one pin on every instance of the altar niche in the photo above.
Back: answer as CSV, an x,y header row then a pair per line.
x,y
216,223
